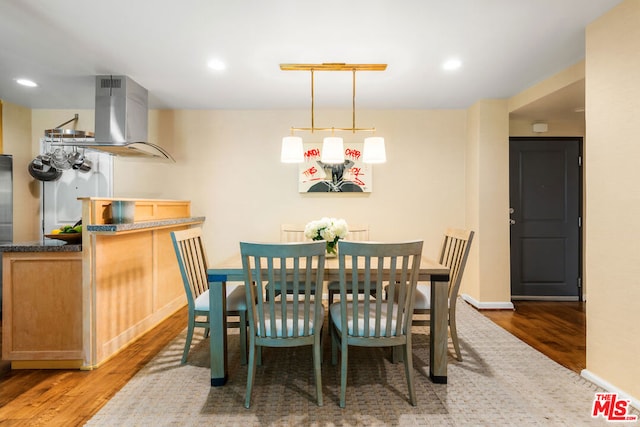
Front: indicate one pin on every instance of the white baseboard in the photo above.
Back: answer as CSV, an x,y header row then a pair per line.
x,y
494,305
543,298
609,387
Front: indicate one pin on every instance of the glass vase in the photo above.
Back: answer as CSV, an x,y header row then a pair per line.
x,y
332,249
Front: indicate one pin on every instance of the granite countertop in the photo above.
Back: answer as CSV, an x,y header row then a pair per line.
x,y
45,245
112,228
52,245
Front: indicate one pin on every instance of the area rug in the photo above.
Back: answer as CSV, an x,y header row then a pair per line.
x,y
500,382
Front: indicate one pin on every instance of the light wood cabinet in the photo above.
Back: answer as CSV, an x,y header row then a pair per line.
x,y
78,309
42,315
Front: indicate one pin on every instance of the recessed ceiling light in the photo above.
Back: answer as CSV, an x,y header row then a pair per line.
x,y
451,64
26,82
216,64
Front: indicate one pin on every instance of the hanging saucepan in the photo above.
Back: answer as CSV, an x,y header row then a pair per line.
x,y
85,166
45,158
76,158
79,161
60,159
43,172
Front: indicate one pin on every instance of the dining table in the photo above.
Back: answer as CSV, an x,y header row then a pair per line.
x,y
231,270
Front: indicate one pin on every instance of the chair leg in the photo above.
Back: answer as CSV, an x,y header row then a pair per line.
x,y
408,370
243,337
343,373
397,354
187,344
334,343
250,371
454,334
317,366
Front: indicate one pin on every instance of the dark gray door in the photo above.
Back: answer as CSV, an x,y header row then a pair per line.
x,y
545,200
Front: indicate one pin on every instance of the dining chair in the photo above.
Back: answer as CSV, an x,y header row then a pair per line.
x,y
292,233
192,261
357,233
285,321
375,322
453,253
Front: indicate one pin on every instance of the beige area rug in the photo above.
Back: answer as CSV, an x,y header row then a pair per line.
x,y
502,381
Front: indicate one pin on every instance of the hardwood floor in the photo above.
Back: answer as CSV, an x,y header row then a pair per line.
x,y
70,398
557,329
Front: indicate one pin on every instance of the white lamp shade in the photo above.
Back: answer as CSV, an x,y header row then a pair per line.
x,y
332,150
292,151
373,151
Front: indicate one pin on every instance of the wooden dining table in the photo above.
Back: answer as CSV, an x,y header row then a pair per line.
x,y
230,270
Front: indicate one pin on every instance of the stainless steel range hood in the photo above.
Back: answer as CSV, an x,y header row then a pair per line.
x,y
121,120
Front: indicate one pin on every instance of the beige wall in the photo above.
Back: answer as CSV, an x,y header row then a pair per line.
x,y
487,279
235,178
612,215
556,128
550,101
16,129
228,165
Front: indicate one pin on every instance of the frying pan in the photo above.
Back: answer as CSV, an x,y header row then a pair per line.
x,y
43,172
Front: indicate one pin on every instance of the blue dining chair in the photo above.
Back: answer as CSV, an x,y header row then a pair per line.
x,y
454,252
375,322
192,261
289,316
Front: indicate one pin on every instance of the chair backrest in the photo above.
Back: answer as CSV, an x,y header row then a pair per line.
x,y
358,233
454,253
295,233
363,263
292,233
192,260
299,267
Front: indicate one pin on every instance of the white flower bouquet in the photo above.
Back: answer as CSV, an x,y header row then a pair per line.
x,y
329,229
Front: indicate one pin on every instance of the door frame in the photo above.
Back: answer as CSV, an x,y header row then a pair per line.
x,y
581,281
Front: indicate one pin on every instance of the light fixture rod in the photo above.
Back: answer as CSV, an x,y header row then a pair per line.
x,y
353,102
313,129
312,97
333,66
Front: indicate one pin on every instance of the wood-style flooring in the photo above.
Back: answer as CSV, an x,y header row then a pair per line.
x,y
556,329
71,398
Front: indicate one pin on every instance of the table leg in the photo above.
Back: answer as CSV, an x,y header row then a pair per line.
x,y
218,329
439,336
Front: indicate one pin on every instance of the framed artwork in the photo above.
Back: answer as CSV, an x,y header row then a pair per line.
x,y
352,176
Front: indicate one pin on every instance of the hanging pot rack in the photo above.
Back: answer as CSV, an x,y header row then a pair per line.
x,y
59,133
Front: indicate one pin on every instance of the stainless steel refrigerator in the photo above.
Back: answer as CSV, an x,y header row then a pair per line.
x,y
6,206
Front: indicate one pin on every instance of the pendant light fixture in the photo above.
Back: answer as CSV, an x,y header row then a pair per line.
x,y
373,151
333,147
332,150
292,151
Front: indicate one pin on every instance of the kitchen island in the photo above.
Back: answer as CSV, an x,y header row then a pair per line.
x,y
75,306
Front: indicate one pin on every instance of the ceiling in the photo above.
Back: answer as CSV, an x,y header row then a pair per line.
x,y
505,47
